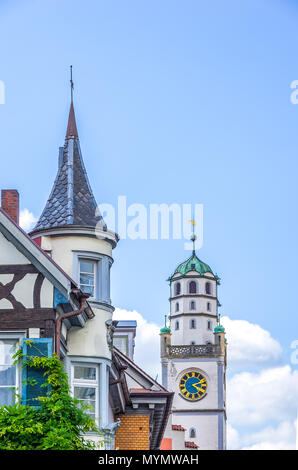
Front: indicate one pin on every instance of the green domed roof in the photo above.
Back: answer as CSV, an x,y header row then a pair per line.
x,y
192,264
165,330
219,329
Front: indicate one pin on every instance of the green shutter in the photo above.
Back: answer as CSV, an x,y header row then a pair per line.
x,y
40,347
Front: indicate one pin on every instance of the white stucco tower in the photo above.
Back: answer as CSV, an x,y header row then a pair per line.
x,y
193,355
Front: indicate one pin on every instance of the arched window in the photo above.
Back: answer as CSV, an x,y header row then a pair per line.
x,y
177,288
192,305
192,433
177,307
192,287
192,324
209,325
208,307
208,288
177,325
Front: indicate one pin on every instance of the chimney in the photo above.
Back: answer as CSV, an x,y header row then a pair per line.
x,y
10,203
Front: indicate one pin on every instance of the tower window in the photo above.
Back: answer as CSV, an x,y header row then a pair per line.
x,y
177,288
192,324
193,267
177,307
192,433
208,307
209,325
87,277
208,288
192,305
177,325
192,287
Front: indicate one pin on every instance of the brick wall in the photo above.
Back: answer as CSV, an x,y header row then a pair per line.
x,y
133,433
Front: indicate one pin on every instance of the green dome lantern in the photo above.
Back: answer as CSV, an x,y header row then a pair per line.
x,y
192,264
165,330
219,329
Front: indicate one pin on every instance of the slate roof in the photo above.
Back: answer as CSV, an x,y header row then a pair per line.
x,y
71,202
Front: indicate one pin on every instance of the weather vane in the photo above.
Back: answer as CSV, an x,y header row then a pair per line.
x,y
71,83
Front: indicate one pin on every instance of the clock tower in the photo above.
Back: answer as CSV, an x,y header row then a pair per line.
x,y
194,355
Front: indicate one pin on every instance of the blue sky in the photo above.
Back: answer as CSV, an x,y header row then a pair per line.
x,y
185,102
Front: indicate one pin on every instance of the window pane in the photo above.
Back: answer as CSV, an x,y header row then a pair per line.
x,y
86,267
85,373
88,290
6,396
121,344
7,350
87,279
85,393
7,375
87,396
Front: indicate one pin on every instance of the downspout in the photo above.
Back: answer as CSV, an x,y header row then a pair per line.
x,y
59,320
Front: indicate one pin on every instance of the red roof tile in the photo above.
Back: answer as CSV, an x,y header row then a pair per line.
x,y
177,427
191,445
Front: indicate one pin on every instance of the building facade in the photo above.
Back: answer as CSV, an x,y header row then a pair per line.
x,y
194,355
55,290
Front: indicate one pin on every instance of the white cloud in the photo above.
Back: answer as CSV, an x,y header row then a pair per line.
x,y
27,220
257,398
147,342
249,344
280,438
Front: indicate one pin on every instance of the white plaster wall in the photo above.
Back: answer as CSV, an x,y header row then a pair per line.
x,y
9,254
90,341
200,304
23,291
185,335
62,248
200,280
206,426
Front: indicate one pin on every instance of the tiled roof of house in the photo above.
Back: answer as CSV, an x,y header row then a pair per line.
x,y
177,427
191,445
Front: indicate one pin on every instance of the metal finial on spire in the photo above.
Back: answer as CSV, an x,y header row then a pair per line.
x,y
193,237
165,320
71,84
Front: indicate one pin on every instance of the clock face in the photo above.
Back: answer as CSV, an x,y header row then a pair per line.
x,y
193,385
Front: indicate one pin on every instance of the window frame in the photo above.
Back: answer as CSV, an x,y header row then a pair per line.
x,y
95,271
177,288
88,383
208,287
18,338
103,272
192,285
126,342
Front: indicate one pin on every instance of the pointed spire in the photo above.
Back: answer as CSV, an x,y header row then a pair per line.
x,y
71,202
72,132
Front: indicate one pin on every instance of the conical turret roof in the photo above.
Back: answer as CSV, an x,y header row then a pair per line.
x,y
71,201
